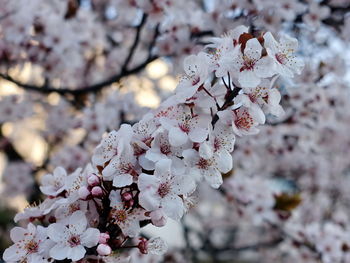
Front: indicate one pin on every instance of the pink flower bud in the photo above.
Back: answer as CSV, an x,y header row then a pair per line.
x,y
104,237
93,180
129,203
83,192
104,250
127,196
142,246
96,191
158,218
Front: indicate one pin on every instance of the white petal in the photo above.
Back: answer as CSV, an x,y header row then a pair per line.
x,y
90,237
122,180
183,184
115,198
198,134
13,254
224,161
264,67
60,172
214,178
146,163
205,151
270,43
253,49
147,182
149,200
59,252
177,137
173,206
163,168
76,253
157,246
257,114
18,233
77,222
248,79
56,232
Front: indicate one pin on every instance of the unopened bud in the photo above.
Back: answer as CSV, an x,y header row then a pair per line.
x,y
127,196
96,191
104,250
104,237
93,180
83,192
142,246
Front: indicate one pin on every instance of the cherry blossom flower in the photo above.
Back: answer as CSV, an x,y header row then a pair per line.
x,y
35,212
128,219
184,127
143,173
72,239
121,169
221,141
162,149
162,190
223,46
74,182
250,66
112,145
209,168
243,120
266,97
30,245
196,69
286,63
54,184
66,208
154,246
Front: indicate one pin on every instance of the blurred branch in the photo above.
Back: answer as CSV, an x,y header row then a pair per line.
x,y
96,87
135,43
46,88
80,90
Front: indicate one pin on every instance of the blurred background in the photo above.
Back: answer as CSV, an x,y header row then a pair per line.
x,y
71,71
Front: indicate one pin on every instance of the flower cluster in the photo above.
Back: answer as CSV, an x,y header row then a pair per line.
x,y
147,172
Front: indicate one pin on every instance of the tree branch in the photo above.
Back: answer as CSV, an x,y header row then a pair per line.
x,y
135,43
80,90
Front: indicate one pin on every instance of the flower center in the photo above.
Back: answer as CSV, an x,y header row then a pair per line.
x,y
195,81
203,164
119,216
163,189
165,149
281,58
32,247
244,120
184,127
74,241
217,144
248,64
126,167
73,207
57,184
138,150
